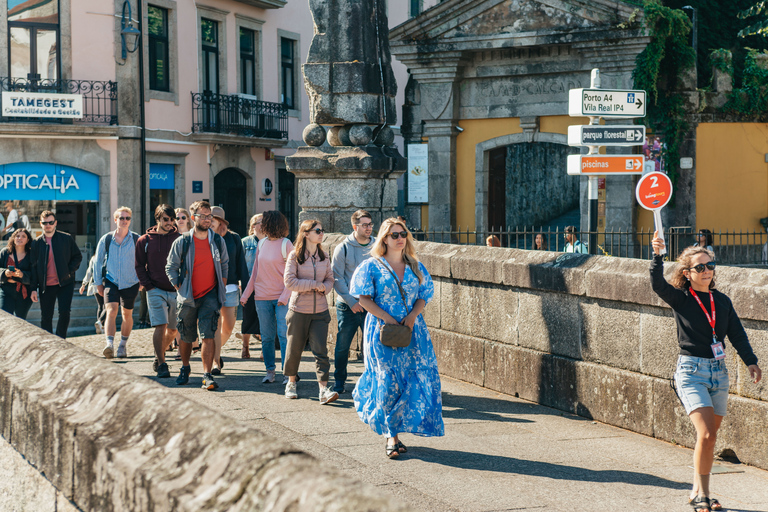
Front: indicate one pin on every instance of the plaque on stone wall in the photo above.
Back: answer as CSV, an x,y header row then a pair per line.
x,y
418,173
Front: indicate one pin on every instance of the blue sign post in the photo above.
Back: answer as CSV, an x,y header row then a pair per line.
x,y
38,181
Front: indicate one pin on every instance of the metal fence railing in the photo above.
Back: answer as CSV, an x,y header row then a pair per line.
x,y
730,247
99,99
231,113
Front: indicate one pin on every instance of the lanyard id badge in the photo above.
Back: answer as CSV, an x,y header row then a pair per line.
x,y
717,346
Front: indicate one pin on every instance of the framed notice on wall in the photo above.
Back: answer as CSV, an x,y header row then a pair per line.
x,y
418,173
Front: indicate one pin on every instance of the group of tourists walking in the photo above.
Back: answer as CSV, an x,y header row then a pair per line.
x,y
196,272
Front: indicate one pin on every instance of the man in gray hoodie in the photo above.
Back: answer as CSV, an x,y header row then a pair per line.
x,y
197,267
350,315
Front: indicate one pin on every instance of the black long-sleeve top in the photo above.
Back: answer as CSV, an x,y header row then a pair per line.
x,y
694,334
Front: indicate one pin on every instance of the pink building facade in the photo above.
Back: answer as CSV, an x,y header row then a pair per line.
x,y
223,104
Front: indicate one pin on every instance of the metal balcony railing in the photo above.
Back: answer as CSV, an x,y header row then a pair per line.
x,y
233,114
99,99
730,247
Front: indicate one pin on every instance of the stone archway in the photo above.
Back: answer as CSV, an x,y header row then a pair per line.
x,y
536,187
230,192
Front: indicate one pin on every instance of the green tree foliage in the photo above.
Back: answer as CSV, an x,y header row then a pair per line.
x,y
719,26
759,27
658,67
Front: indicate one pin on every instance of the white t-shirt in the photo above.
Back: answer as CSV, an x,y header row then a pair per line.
x,y
12,217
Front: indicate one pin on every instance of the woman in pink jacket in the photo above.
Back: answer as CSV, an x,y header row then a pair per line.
x,y
267,288
309,276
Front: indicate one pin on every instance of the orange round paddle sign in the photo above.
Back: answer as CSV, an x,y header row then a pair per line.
x,y
654,190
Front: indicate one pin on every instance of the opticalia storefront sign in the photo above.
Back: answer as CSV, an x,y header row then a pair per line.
x,y
37,181
39,104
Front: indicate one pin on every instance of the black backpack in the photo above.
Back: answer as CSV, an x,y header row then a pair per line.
x,y
108,241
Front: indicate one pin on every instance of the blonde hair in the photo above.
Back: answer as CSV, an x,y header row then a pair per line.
x,y
379,248
253,222
122,209
189,221
684,263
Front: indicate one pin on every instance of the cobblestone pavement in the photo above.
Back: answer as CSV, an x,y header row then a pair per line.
x,y
499,453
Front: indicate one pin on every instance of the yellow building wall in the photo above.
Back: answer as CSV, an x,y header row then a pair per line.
x,y
481,130
731,176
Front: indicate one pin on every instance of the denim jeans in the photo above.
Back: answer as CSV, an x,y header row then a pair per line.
x,y
271,319
48,300
349,323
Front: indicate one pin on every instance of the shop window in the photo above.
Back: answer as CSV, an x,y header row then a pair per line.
x,y
162,183
33,30
159,60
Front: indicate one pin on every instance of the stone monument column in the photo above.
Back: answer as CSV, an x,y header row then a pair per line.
x,y
351,89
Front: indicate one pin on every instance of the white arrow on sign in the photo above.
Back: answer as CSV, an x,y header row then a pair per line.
x,y
610,135
614,103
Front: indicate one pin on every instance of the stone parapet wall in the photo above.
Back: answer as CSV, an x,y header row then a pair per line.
x,y
111,441
586,334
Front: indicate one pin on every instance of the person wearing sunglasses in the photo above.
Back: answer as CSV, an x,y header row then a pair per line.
x,y
704,317
705,239
399,390
116,280
350,315
57,258
309,276
152,252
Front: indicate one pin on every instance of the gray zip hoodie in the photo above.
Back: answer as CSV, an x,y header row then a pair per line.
x,y
347,256
220,263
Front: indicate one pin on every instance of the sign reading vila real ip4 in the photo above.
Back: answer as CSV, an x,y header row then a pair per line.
x,y
606,103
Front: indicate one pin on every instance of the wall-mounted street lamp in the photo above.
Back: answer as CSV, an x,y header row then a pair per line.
x,y
129,34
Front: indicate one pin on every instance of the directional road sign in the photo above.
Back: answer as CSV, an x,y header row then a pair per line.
x,y
595,135
654,190
606,103
605,164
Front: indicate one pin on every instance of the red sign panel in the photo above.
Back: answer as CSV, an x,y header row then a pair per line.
x,y
654,190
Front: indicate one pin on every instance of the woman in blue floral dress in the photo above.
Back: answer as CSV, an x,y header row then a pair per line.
x,y
399,391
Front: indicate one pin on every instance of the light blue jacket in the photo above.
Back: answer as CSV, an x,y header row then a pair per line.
x,y
121,264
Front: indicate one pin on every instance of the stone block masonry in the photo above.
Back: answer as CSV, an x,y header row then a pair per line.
x,y
106,440
587,335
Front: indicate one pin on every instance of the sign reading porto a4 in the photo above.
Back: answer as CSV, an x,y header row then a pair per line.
x,y
38,104
606,103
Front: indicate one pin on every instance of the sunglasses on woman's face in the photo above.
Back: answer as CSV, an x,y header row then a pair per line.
x,y
181,217
319,231
395,234
701,266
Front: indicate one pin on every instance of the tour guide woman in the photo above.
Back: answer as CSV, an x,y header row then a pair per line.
x,y
399,391
704,316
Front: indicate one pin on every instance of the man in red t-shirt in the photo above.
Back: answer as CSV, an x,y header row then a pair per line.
x,y
197,267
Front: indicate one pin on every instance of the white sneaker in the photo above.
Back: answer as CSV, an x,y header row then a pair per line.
x,y
97,326
122,353
269,377
327,395
290,390
109,351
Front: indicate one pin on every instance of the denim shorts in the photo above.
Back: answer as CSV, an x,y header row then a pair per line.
x,y
162,307
232,299
702,382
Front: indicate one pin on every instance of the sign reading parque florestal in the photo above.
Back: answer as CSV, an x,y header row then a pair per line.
x,y
39,104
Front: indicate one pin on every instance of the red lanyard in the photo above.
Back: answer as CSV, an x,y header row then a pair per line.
x,y
712,319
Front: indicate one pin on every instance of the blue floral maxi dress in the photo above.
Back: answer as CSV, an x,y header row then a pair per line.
x,y
399,391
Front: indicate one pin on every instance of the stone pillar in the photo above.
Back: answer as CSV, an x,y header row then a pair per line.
x,y
352,89
442,173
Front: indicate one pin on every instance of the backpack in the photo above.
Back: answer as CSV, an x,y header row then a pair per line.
x,y
283,248
108,241
186,242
